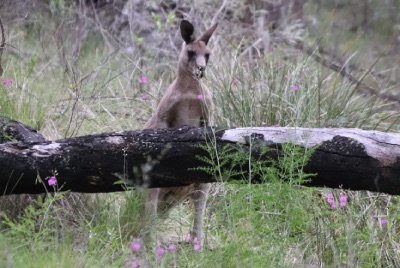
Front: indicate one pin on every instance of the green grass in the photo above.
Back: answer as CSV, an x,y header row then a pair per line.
x,y
275,224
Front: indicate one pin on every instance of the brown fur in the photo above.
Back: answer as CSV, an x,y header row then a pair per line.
x,y
181,106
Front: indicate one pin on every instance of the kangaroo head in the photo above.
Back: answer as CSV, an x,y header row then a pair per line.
x,y
195,54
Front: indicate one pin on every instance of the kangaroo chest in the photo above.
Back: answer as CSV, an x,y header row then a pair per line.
x,y
190,110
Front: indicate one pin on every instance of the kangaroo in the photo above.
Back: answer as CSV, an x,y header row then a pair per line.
x,y
185,103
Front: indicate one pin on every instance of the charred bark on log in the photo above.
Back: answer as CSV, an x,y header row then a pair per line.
x,y
11,130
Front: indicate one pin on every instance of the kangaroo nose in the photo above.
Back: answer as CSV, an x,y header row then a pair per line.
x,y
202,68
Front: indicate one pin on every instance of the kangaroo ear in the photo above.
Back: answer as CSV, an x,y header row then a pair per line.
x,y
205,37
187,31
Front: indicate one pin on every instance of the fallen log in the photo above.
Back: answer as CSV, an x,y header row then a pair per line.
x,y
347,158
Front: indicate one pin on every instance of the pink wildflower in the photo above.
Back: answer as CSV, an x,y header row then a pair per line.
x,y
135,246
134,263
196,242
384,221
160,253
200,97
7,81
171,247
52,181
187,238
296,88
143,79
343,200
144,97
330,198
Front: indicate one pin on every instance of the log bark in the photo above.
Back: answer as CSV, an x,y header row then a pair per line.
x,y
347,158
13,130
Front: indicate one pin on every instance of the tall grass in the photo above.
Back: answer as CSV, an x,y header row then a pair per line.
x,y
270,91
274,224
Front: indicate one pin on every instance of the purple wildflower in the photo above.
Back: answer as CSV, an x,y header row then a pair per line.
x,y
172,247
330,198
343,200
160,253
52,181
144,97
143,79
135,246
196,243
7,81
134,263
187,238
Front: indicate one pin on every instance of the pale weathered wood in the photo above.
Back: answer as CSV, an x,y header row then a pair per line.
x,y
348,158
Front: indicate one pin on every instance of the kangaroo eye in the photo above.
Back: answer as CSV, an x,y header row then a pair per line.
x,y
191,54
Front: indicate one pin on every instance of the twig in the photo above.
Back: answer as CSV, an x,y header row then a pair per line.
x,y
2,45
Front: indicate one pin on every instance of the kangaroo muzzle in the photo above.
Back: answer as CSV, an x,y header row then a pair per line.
x,y
200,67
